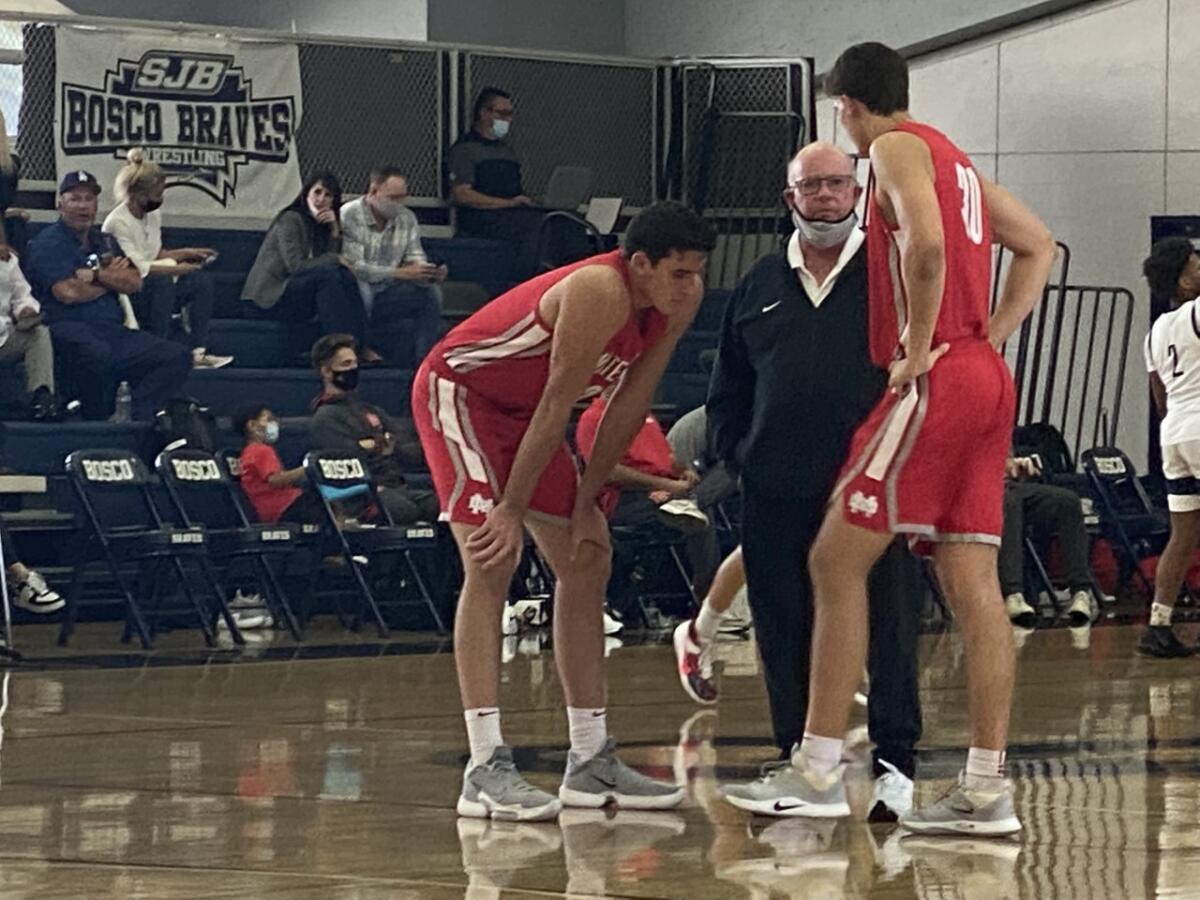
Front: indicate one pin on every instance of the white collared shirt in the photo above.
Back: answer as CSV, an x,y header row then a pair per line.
x,y
818,292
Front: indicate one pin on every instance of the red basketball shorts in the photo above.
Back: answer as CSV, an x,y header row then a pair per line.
x,y
930,464
470,444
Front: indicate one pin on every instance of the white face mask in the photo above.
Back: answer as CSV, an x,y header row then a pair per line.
x,y
825,234
501,127
387,208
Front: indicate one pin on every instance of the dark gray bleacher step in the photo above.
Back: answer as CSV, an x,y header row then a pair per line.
x,y
290,392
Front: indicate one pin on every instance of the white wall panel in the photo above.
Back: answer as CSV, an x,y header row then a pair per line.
x,y
1183,109
958,95
1093,82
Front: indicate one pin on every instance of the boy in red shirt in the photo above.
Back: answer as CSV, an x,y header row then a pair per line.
x,y
275,492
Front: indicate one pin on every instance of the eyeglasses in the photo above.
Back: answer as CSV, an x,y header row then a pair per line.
x,y
806,187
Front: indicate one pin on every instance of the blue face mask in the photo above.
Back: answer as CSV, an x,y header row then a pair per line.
x,y
271,432
501,127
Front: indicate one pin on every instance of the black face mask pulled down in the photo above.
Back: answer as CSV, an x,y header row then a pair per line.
x,y
345,380
151,205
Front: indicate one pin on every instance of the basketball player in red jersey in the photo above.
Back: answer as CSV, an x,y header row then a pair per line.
x,y
929,461
491,404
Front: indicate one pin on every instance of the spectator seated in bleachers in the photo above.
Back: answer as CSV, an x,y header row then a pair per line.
x,y
649,488
23,337
485,182
15,231
171,279
77,274
1046,513
300,274
27,588
688,438
382,241
342,421
276,494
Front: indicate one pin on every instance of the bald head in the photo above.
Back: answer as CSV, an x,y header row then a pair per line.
x,y
821,182
828,158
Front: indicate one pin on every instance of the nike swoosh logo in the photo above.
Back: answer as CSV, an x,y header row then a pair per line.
x,y
611,785
780,806
767,309
965,809
485,715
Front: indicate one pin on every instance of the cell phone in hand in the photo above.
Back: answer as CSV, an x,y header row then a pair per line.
x,y
209,260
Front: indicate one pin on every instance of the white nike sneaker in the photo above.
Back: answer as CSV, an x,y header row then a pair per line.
x,y
893,795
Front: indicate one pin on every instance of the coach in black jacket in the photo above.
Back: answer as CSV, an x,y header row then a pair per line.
x,y
792,382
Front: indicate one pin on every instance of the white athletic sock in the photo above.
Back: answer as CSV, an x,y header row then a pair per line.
x,y
1160,614
985,770
483,733
589,731
820,755
707,623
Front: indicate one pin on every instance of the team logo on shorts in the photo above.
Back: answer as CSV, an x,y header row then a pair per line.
x,y
862,505
480,505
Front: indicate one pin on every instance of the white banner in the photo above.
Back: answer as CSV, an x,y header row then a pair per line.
x,y
220,117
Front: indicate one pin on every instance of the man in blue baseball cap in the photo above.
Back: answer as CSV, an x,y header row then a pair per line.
x,y
77,273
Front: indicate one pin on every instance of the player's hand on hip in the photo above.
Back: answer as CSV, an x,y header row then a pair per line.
x,y
908,369
499,540
588,526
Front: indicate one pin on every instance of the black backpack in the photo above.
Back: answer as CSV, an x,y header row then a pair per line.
x,y
183,422
1047,442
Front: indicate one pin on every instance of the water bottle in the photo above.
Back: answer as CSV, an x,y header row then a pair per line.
x,y
124,403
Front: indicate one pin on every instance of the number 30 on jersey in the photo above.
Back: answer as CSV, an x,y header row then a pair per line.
x,y
972,202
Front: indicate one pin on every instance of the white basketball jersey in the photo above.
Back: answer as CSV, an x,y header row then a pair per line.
x,y
1173,351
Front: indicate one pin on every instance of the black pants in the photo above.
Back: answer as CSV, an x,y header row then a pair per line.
x,y
162,296
328,293
777,534
636,509
98,357
1043,512
408,505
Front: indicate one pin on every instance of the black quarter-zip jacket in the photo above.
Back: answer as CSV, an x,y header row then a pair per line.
x,y
792,381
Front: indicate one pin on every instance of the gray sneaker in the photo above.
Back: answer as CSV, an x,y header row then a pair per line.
x,y
497,791
591,783
786,790
964,811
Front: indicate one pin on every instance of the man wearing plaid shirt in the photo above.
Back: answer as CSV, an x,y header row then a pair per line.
x,y
381,240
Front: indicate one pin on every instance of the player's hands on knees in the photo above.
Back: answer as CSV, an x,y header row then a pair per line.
x,y
908,369
588,526
500,539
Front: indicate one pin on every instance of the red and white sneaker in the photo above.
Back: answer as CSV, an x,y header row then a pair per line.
x,y
694,662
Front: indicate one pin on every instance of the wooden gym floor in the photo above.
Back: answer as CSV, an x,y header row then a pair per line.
x,y
183,775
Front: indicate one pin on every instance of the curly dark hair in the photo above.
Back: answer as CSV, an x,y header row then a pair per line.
x,y
1165,264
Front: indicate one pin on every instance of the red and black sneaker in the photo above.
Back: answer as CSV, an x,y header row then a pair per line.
x,y
694,662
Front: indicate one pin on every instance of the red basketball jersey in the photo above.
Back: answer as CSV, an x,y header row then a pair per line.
x,y
502,352
967,233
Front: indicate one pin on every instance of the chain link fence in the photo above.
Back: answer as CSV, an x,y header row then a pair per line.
x,y
364,106
35,141
740,126
576,113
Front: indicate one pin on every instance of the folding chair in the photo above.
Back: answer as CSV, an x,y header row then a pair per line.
x,y
634,546
1127,517
338,476
203,494
563,237
114,491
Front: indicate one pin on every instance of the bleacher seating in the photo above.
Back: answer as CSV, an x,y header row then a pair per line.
x,y
271,365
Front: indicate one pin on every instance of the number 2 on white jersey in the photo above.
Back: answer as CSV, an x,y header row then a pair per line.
x,y
972,208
